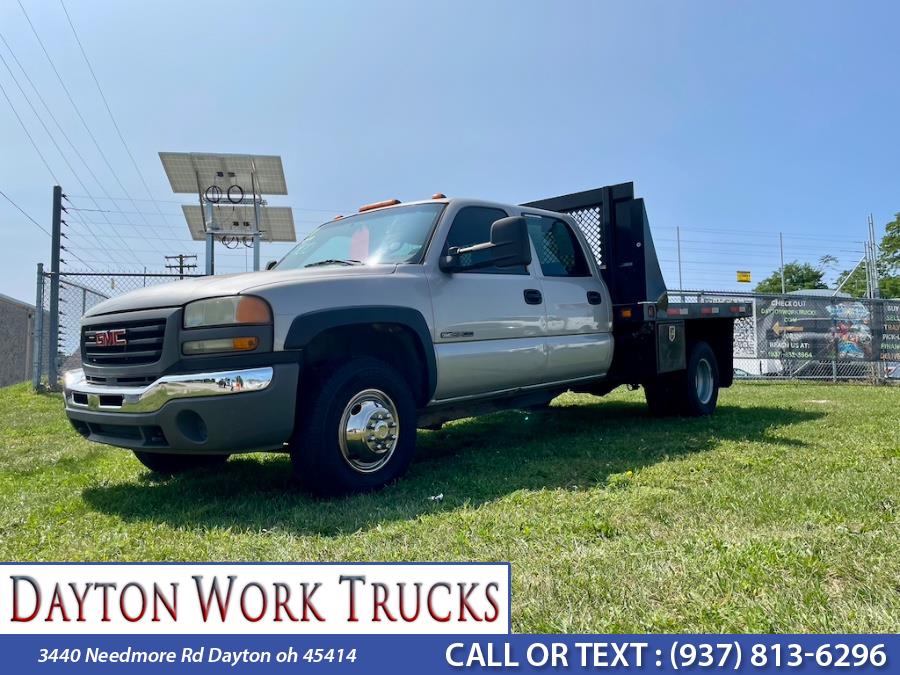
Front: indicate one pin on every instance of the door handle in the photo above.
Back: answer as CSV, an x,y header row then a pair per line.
x,y
594,297
533,296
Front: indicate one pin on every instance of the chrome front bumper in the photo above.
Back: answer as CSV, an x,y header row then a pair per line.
x,y
82,395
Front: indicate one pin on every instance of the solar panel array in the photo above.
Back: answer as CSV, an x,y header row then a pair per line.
x,y
275,222
185,169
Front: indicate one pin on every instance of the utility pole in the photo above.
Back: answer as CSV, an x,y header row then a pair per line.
x,y
873,248
875,291
869,275
53,337
781,247
678,240
181,265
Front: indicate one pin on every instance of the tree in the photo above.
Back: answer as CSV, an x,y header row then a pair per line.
x,y
797,276
890,245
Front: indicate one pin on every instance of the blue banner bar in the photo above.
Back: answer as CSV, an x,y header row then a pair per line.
x,y
433,655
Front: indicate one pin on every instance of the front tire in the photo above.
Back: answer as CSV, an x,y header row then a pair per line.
x,y
355,430
170,464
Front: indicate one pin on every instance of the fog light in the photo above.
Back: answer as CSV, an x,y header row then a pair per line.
x,y
239,344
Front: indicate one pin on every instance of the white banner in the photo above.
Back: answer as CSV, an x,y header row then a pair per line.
x,y
207,598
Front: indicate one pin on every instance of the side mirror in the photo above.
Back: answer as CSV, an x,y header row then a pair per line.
x,y
271,264
508,247
509,242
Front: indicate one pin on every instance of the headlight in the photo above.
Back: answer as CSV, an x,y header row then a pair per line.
x,y
230,311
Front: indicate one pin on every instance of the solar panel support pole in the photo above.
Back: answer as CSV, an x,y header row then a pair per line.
x,y
210,239
256,200
210,253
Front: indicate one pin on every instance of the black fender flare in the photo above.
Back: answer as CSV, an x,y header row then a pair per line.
x,y
305,327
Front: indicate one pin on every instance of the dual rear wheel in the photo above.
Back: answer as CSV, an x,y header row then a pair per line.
x,y
692,392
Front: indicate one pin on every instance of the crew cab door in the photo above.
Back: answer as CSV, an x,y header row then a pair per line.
x,y
488,322
577,304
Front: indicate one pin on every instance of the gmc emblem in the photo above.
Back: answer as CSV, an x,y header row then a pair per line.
x,y
110,338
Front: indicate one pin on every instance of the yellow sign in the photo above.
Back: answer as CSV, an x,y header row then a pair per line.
x,y
743,277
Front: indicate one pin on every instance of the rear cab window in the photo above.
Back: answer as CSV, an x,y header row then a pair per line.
x,y
558,249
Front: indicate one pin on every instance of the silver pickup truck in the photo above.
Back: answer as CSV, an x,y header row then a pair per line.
x,y
403,315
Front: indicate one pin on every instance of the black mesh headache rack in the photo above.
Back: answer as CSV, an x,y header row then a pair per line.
x,y
653,335
615,225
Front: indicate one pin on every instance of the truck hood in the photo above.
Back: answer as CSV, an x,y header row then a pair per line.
x,y
179,293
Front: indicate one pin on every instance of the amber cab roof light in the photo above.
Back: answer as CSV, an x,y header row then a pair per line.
x,y
379,205
439,195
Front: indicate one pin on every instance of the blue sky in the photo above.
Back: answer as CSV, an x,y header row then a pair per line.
x,y
736,120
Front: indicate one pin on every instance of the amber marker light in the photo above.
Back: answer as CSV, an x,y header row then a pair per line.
x,y
252,310
379,205
219,345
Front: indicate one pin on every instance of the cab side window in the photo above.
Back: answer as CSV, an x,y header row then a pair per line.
x,y
472,225
557,249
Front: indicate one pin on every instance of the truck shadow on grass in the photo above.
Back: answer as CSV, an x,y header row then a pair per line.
x,y
469,463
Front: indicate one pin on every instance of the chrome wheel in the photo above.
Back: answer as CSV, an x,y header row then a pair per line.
x,y
369,431
703,381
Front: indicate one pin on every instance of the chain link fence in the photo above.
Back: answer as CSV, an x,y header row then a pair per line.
x,y
787,337
812,336
78,292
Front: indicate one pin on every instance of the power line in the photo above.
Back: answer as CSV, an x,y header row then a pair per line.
x,y
47,108
719,230
59,127
37,224
28,134
180,203
75,105
108,109
144,213
745,254
758,244
37,150
24,213
180,240
46,130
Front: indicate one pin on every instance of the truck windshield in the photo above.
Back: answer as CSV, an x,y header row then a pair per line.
x,y
382,237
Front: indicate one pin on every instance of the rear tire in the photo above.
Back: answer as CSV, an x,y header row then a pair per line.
x,y
701,382
692,392
355,430
172,463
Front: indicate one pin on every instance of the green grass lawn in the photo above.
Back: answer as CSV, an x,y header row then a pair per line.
x,y
779,513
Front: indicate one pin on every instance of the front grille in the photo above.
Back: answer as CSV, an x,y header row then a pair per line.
x,y
123,343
